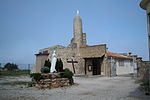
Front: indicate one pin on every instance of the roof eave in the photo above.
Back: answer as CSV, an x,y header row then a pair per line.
x,y
41,54
120,57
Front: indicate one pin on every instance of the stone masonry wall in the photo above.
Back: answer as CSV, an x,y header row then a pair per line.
x,y
92,51
52,83
66,54
40,60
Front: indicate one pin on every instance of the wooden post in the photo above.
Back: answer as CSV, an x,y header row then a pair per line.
x,y
72,64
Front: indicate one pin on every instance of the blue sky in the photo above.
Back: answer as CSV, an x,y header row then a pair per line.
x,y
29,25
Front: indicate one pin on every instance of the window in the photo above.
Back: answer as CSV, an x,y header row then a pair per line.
x,y
131,62
90,68
121,62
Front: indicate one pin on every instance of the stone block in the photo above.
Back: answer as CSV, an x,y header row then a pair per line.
x,y
52,83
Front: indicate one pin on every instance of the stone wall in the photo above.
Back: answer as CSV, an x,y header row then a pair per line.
x,y
52,83
77,54
103,67
84,42
66,54
52,80
142,68
107,67
92,51
40,60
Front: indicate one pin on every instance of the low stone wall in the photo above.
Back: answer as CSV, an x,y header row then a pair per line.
x,y
52,83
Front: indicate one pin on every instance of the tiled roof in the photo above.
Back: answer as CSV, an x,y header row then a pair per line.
x,y
41,54
91,45
110,54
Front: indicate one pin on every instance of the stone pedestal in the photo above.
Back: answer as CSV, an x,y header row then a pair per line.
x,y
52,80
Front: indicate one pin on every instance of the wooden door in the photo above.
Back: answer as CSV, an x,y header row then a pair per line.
x,y
96,66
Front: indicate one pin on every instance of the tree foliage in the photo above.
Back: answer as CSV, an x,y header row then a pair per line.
x,y
59,65
11,66
36,76
47,63
45,69
68,74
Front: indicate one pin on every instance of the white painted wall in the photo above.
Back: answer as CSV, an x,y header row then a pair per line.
x,y
126,69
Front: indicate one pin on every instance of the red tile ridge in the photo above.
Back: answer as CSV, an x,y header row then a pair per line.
x,y
110,54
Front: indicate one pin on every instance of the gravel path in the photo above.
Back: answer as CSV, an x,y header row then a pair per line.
x,y
94,88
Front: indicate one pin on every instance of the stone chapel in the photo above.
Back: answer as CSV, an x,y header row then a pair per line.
x,y
79,57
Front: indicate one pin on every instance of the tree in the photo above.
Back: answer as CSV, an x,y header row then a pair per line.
x,y
59,65
47,63
11,66
68,74
46,67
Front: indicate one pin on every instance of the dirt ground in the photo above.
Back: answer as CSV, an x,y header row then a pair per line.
x,y
91,88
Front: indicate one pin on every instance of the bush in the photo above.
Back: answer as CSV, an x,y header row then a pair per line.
x,y
11,66
145,85
59,65
68,74
36,76
45,70
47,63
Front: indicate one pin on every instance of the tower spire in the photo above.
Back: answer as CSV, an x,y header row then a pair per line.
x,y
78,13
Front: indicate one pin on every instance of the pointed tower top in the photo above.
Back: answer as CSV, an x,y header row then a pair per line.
x,y
78,14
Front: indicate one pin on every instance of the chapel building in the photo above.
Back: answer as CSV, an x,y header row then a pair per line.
x,y
83,59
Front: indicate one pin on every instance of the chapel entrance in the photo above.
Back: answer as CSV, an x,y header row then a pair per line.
x,y
96,66
93,66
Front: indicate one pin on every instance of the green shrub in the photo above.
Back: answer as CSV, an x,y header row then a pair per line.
x,y
47,63
36,76
68,74
45,70
59,65
145,85
11,66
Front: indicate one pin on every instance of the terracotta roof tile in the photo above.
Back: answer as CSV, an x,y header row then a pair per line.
x,y
110,54
91,45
